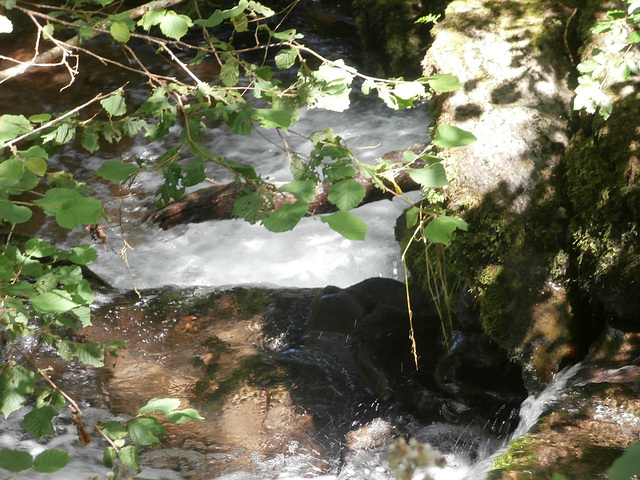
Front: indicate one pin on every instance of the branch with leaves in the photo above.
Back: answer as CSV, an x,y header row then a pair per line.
x,y
43,290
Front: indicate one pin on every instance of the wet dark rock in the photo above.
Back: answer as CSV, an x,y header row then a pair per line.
x,y
478,372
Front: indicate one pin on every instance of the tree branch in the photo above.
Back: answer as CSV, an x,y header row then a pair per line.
x,y
216,203
46,58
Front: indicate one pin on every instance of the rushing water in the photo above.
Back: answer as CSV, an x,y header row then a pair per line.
x,y
232,253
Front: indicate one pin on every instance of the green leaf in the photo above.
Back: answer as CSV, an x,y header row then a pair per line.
x,y
229,73
12,126
114,104
347,194
441,228
38,421
120,32
286,217
15,460
50,461
175,26
303,190
184,416
145,430
287,35
214,20
129,457
83,254
79,211
409,90
445,82
90,140
13,213
114,430
38,248
275,118
56,301
430,176
40,118
627,465
15,384
37,165
286,58
116,170
88,353
162,405
347,225
448,136
634,37
109,457
151,18
5,25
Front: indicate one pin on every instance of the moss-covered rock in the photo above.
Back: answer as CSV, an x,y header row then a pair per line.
x,y
513,62
602,166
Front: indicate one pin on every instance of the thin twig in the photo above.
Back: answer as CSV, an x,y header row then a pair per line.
x,y
56,120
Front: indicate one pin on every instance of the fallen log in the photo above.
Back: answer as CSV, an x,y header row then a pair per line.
x,y
216,202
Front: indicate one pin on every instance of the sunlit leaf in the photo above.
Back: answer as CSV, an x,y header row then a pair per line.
x,y
5,25
15,384
286,57
89,354
175,26
430,176
114,430
109,457
445,82
120,32
275,118
229,73
162,405
448,136
347,225
183,416
83,254
12,126
151,18
90,139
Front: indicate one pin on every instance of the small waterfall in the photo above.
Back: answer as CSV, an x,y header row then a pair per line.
x,y
530,411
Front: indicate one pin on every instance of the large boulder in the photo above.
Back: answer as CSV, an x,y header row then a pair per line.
x,y
513,61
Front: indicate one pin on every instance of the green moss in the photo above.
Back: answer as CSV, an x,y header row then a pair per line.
x,y
518,452
602,184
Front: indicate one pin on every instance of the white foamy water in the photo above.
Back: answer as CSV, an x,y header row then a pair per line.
x,y
232,252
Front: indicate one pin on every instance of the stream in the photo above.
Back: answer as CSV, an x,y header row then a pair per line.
x,y
213,257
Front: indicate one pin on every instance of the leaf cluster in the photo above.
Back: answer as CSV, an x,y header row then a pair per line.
x,y
42,288
622,27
